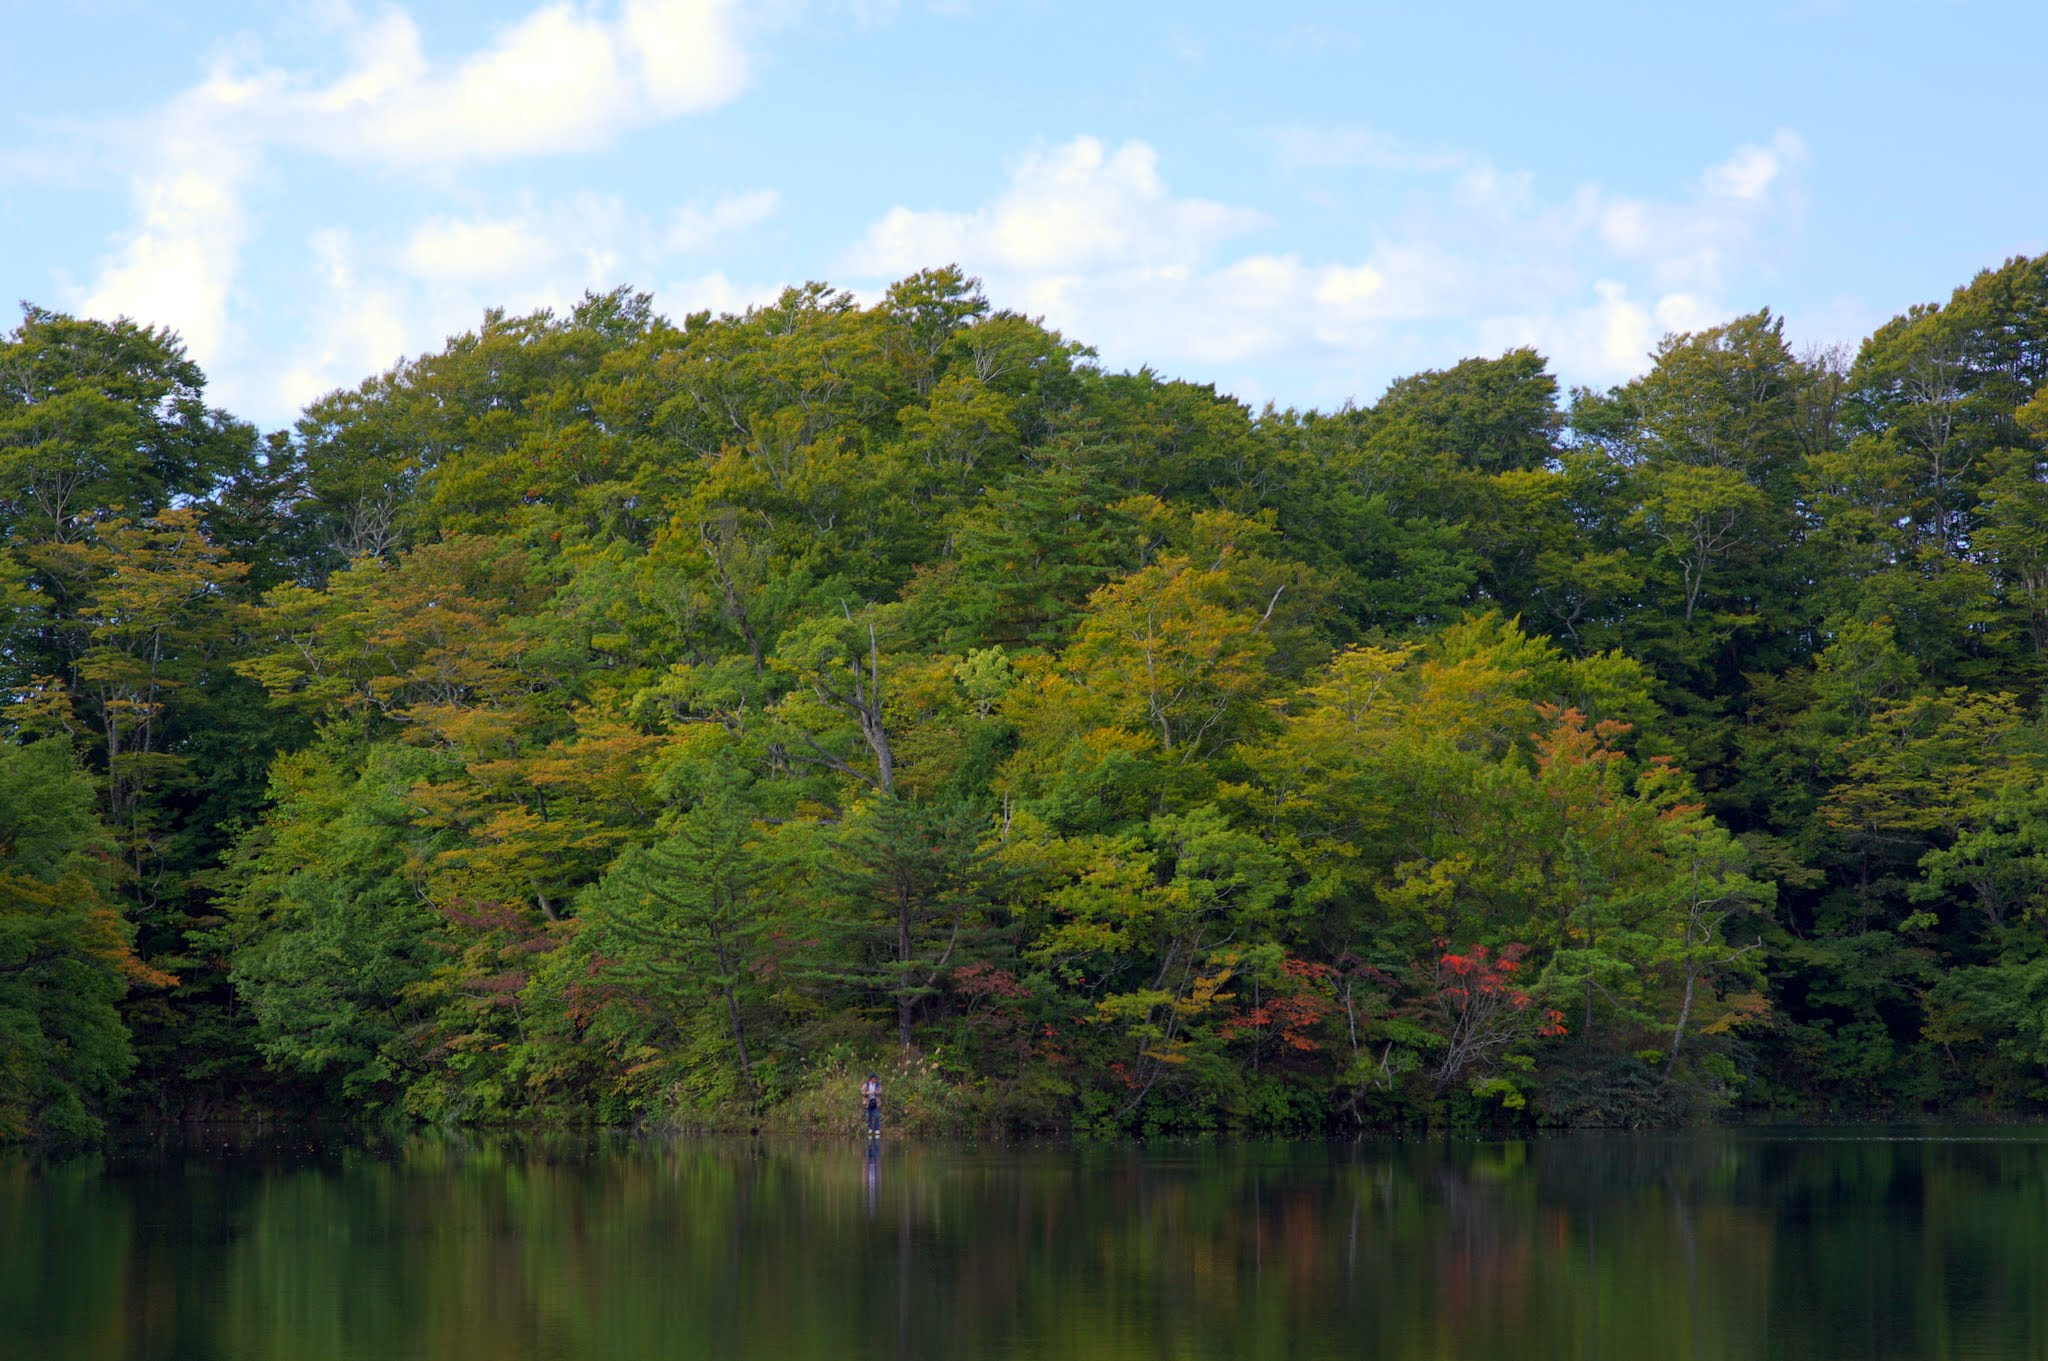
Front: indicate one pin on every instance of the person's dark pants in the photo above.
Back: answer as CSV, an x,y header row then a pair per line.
x,y
874,1119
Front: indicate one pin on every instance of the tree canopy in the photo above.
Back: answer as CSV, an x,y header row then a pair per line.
x,y
610,718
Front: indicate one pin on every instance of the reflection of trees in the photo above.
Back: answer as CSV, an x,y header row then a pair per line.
x,y
1720,1247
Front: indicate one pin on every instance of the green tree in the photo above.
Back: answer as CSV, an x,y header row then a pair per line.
x,y
917,896
65,957
687,915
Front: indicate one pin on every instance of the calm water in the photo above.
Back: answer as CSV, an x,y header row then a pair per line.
x,y
1725,1246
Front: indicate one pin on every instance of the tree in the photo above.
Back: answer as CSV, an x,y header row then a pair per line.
x,y
1706,895
155,616
687,915
653,703
329,943
1701,516
916,890
1493,415
65,957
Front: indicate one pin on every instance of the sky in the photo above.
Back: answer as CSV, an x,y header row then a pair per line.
x,y
1298,202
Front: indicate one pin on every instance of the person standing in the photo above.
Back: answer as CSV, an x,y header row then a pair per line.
x,y
871,1104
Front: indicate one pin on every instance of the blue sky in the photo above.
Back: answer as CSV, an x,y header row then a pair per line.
x,y
1298,202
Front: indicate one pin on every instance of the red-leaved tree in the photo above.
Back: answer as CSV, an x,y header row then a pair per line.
x,y
1481,998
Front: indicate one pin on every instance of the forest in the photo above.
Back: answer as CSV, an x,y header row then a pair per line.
x,y
614,721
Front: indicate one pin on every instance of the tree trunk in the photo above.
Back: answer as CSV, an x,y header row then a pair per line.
x,y
732,1006
1684,1014
739,1035
904,1001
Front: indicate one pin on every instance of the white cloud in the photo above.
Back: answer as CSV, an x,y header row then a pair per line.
x,y
689,57
361,327
1751,170
560,79
381,302
1477,259
1609,338
447,250
538,251
715,293
696,226
1075,208
176,265
1350,287
564,77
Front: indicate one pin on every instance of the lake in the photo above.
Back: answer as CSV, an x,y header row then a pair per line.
x,y
1725,1245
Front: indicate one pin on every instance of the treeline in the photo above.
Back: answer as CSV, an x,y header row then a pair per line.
x,y
608,719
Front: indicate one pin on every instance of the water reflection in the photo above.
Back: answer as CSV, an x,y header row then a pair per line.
x,y
458,1249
